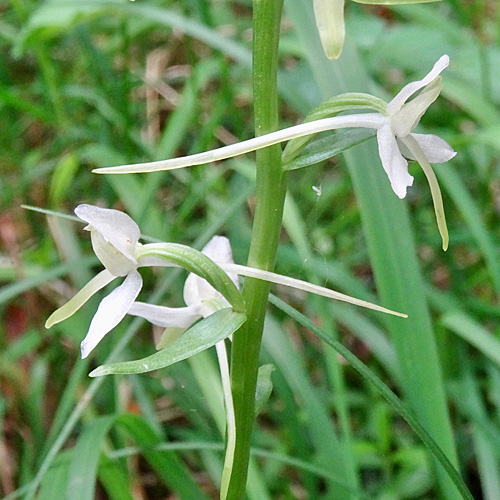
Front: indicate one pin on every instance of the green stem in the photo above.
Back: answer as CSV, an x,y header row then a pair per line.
x,y
270,198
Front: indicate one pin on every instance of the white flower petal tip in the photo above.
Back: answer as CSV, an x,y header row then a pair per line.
x,y
436,150
115,237
408,90
218,248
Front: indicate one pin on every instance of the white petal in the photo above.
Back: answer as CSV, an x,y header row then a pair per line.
x,y
115,227
181,317
111,311
436,150
117,263
197,289
406,119
68,309
411,88
219,249
395,166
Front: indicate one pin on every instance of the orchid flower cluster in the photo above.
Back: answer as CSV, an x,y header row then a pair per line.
x,y
115,241
214,307
115,236
394,123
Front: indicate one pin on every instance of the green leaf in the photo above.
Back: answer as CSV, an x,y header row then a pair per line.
x,y
264,386
84,464
55,478
113,478
383,390
199,337
329,146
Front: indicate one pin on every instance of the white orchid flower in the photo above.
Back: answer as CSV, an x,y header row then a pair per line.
x,y
395,137
396,140
115,240
200,297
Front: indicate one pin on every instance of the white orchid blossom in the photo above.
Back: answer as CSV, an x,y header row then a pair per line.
x,y
396,140
115,240
402,118
200,297
395,137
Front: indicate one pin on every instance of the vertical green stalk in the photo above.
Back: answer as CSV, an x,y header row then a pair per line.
x,y
270,198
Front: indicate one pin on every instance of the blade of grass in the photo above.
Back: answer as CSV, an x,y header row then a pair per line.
x,y
331,454
384,391
84,464
392,251
473,333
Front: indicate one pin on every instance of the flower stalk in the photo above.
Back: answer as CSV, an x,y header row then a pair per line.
x,y
270,199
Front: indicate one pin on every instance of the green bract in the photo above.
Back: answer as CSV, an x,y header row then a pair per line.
x,y
352,101
208,332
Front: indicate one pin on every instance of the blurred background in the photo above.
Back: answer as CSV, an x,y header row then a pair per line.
x,y
102,83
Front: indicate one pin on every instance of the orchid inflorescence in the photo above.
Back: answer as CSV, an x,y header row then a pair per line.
x,y
115,240
115,236
215,307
